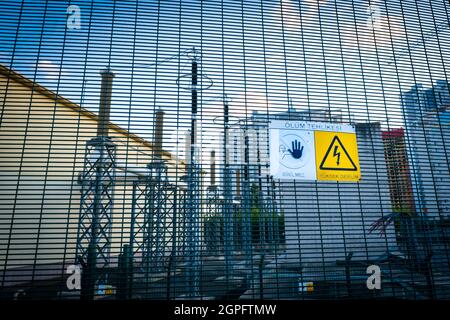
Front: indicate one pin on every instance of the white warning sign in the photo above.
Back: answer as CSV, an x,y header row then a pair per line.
x,y
292,154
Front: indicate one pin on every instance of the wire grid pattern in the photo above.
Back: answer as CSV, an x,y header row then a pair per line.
x,y
153,224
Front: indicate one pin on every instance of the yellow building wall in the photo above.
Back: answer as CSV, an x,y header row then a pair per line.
x,y
42,144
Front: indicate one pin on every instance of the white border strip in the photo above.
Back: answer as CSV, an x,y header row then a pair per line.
x,y
316,126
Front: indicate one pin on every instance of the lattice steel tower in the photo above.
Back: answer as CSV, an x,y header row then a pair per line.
x,y
156,209
96,205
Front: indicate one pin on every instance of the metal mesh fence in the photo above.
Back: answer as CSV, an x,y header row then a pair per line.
x,y
293,149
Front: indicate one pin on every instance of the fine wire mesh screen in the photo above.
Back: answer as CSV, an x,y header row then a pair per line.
x,y
178,149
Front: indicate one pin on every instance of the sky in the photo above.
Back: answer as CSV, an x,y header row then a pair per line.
x,y
350,56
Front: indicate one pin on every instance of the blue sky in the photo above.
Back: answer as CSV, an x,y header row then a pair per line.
x,y
321,54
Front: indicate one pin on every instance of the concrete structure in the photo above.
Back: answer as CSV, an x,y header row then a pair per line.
x,y
325,221
42,144
427,124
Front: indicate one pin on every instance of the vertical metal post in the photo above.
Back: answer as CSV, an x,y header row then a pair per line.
x,y
261,203
193,201
181,221
213,223
271,213
213,168
125,276
238,183
173,252
246,208
227,197
133,217
276,227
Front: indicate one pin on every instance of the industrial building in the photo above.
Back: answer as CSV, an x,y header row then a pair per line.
x,y
427,126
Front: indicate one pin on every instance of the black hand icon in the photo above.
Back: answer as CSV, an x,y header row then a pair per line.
x,y
296,151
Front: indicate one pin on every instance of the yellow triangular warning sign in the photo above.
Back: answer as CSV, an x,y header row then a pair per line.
x,y
337,158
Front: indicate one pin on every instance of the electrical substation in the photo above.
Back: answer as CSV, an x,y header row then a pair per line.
x,y
266,150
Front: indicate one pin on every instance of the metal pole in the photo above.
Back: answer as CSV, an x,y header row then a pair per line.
x,y
213,168
246,208
261,202
173,252
158,134
193,225
227,195
212,225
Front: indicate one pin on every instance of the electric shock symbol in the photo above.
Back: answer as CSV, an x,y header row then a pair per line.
x,y
340,159
336,154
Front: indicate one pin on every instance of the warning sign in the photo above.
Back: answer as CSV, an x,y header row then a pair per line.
x,y
301,150
337,156
293,155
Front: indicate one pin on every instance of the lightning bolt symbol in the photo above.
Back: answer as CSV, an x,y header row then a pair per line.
x,y
337,154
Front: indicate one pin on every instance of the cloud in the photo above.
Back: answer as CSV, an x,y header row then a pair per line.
x,y
246,102
315,2
376,31
293,18
384,32
49,70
